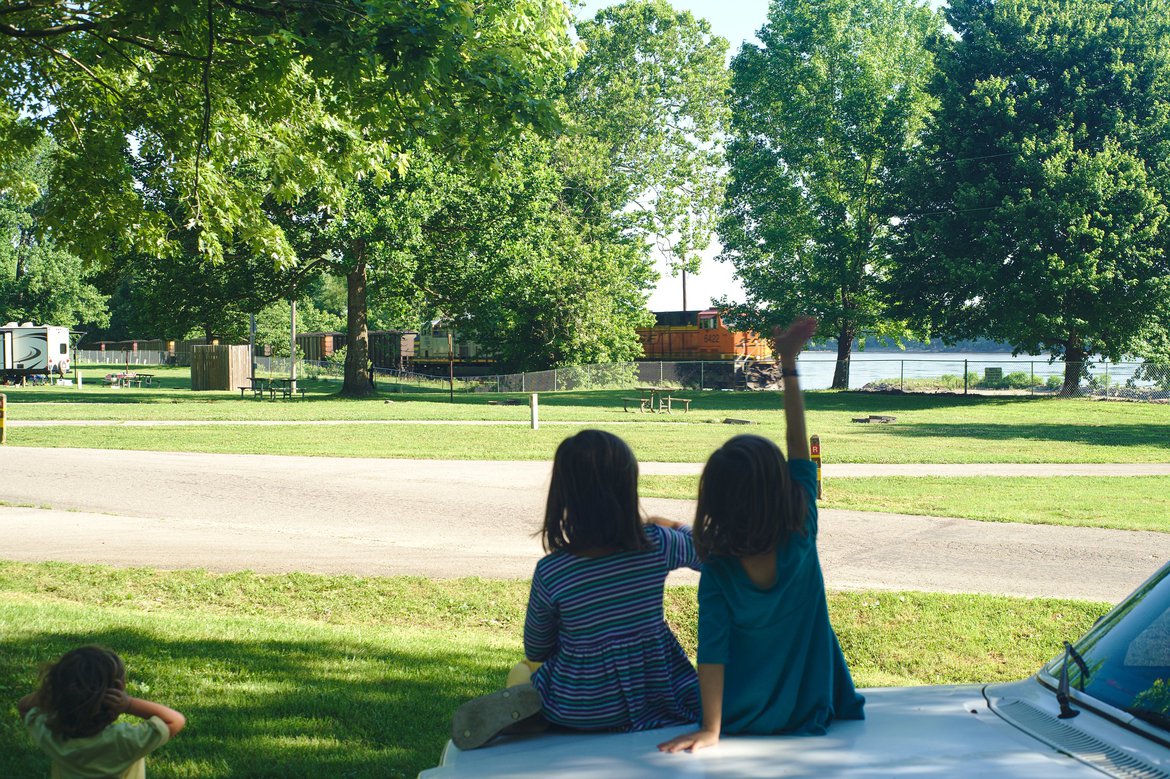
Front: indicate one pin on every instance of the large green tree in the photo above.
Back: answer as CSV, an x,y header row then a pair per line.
x,y
538,283
646,112
1038,215
823,111
40,281
550,262
312,94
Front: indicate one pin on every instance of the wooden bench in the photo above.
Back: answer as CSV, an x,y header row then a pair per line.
x,y
665,403
643,404
256,389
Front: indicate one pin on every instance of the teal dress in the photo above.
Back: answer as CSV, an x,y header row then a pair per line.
x,y
783,668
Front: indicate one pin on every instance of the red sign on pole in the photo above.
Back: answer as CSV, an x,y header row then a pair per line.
x,y
814,446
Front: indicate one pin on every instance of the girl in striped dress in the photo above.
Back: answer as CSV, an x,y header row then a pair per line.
x,y
608,660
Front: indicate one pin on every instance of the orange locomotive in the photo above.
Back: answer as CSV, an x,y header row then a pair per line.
x,y
698,335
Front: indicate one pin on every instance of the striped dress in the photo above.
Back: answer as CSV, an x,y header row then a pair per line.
x,y
610,660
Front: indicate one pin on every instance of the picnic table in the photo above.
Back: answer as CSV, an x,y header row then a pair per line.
x,y
128,379
256,385
655,399
285,388
259,387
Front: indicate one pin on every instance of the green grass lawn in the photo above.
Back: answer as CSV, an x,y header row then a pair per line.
x,y
1118,502
929,429
309,676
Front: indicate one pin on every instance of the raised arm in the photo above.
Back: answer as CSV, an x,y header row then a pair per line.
x,y
789,342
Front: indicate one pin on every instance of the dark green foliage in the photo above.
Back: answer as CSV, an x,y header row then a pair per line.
x,y
822,113
1038,214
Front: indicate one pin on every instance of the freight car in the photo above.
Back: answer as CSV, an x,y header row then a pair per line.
x,y
698,335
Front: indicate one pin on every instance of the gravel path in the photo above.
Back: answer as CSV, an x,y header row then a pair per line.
x,y
459,518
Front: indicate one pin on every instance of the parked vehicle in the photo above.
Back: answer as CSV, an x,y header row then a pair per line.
x,y
698,335
1100,707
31,350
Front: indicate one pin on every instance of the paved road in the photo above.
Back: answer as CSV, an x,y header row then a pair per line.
x,y
457,518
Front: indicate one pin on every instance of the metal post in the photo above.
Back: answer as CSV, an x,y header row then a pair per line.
x,y
1106,380
3,415
292,342
252,346
535,404
964,377
902,376
702,378
523,376
1032,381
554,379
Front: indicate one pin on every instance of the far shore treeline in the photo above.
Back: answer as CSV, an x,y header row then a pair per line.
x,y
989,176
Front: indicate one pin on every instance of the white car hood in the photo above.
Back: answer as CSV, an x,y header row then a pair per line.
x,y
908,731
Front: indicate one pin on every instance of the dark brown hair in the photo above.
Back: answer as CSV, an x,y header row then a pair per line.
x,y
748,503
73,688
593,496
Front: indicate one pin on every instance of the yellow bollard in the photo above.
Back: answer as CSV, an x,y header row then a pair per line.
x,y
3,414
814,447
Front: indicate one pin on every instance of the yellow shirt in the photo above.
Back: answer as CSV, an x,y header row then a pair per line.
x,y
117,752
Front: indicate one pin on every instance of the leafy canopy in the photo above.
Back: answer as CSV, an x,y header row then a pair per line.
x,y
1038,215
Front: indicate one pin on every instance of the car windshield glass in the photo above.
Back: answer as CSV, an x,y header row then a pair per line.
x,y
1128,655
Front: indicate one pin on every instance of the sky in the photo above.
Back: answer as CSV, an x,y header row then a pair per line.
x,y
735,20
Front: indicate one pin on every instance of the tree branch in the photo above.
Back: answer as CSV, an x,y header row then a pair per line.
x,y
82,66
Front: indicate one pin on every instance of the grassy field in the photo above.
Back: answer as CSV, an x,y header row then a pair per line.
x,y
310,676
929,429
1121,503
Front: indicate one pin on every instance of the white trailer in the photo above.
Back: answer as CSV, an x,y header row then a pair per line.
x,y
27,349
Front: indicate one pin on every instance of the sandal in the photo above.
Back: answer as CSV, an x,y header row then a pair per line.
x,y
481,719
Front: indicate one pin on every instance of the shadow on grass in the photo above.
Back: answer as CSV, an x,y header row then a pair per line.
x,y
163,390
1120,435
262,708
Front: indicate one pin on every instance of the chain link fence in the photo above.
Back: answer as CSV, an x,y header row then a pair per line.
x,y
936,373
1011,376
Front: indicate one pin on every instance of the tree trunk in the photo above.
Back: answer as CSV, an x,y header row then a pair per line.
x,y
357,337
844,350
1074,368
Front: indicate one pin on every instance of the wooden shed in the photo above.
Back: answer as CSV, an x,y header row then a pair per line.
x,y
220,367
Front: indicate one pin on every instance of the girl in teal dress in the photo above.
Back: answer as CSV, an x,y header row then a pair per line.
x,y
769,661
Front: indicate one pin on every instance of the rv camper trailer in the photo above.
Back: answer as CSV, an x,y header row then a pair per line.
x,y
27,349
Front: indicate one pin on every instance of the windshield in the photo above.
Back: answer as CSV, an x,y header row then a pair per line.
x,y
1128,655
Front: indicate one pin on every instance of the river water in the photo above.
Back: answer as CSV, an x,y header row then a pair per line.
x,y
816,367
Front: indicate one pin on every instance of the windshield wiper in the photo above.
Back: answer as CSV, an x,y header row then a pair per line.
x,y
1067,711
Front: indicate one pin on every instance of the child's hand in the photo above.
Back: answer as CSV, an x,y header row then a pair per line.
x,y
790,340
116,700
664,522
691,742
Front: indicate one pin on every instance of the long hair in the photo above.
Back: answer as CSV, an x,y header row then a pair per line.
x,y
593,496
748,503
72,691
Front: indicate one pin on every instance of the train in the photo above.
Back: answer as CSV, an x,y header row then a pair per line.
x,y
676,336
425,351
699,335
